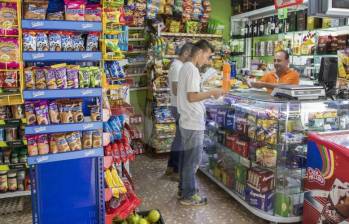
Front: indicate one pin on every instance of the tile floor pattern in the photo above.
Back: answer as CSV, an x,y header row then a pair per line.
x,y
157,191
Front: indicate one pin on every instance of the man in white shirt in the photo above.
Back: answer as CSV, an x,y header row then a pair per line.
x,y
173,74
192,121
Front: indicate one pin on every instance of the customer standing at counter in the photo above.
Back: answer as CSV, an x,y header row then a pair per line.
x,y
283,75
192,121
173,75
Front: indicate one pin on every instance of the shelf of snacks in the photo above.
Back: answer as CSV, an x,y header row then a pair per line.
x,y
56,157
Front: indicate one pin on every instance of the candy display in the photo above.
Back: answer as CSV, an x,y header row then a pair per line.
x,y
62,76
44,112
8,18
59,41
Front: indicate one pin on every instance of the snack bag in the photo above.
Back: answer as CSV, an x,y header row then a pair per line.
x,y
8,18
75,10
95,77
10,79
42,41
73,76
84,77
93,12
29,41
62,144
43,147
61,75
78,42
67,41
51,78
29,112
55,41
9,53
41,111
40,77
34,9
92,41
53,112
29,78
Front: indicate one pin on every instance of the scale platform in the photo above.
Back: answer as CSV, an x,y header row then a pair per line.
x,y
300,92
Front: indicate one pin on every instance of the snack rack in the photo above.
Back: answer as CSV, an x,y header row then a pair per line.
x,y
70,176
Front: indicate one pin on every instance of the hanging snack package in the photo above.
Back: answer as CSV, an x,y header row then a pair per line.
x,y
95,113
92,41
43,146
84,77
41,111
32,145
96,139
95,77
29,78
34,9
53,112
93,12
65,111
61,75
42,41
67,41
40,77
72,141
77,135
75,10
78,42
10,79
55,41
29,112
73,76
78,115
62,144
51,78
55,15
9,53
8,18
29,41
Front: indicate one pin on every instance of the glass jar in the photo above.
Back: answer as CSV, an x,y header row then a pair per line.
x,y
12,181
3,181
7,154
21,180
23,156
11,133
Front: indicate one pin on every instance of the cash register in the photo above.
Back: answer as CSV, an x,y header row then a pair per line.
x,y
299,92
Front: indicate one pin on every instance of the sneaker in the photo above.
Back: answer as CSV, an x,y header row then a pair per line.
x,y
195,200
169,171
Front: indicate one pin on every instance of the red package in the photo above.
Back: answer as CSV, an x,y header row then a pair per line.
x,y
260,180
8,18
9,79
75,10
93,12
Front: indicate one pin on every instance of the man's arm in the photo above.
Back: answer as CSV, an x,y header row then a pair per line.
x,y
200,96
174,88
264,85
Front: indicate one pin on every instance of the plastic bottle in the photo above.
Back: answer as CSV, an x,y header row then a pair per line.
x,y
226,77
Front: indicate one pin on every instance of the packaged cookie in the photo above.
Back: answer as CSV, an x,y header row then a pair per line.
x,y
40,77
55,15
29,41
93,12
61,75
41,112
95,113
29,78
9,53
78,43
34,9
95,77
51,78
62,144
73,76
65,112
92,41
67,41
43,147
97,139
32,145
53,111
78,139
8,18
84,77
87,140
55,41
74,10
53,144
71,140
10,79
41,41
78,115
29,112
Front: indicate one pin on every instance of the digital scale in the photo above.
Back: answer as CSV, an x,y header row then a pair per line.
x,y
300,92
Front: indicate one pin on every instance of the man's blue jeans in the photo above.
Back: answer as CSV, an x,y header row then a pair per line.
x,y
190,159
176,147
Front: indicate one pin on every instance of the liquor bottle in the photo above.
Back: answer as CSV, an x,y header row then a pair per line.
x,y
255,28
250,29
261,27
272,25
246,29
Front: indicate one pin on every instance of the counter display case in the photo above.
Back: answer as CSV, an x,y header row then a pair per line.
x,y
255,149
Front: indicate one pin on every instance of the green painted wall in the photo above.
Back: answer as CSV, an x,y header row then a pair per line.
x,y
221,10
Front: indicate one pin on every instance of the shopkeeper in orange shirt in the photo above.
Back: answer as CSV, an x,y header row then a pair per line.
x,y
283,75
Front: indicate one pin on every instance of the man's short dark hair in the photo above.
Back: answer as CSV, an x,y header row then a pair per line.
x,y
201,45
187,47
287,55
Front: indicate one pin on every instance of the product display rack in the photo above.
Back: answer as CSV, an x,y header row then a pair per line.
x,y
66,166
